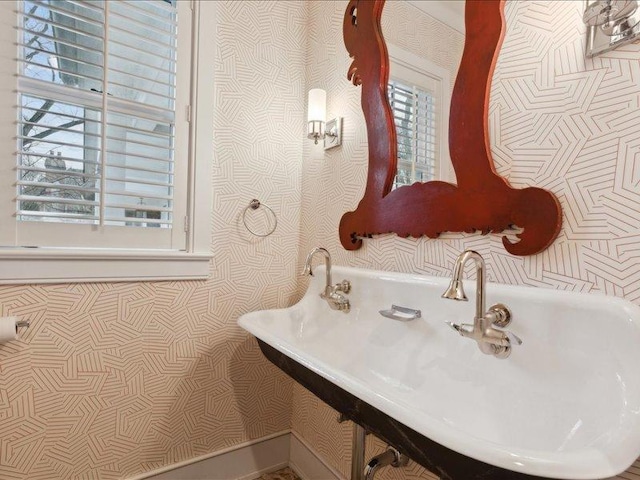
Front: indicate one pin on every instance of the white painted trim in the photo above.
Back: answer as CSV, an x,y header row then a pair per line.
x,y
202,112
26,266
444,11
9,36
244,461
307,463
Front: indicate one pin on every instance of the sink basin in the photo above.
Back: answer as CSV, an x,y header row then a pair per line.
x,y
565,404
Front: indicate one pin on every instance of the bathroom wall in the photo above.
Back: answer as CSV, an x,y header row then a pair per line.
x,y
557,121
334,182
114,379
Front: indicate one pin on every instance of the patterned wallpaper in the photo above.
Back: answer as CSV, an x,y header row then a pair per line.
x,y
557,121
114,379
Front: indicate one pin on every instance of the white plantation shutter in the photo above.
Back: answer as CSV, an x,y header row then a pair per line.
x,y
101,151
415,113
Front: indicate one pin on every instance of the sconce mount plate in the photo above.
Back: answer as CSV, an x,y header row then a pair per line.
x,y
610,24
333,133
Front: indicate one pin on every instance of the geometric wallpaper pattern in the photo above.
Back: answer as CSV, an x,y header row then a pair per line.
x,y
557,121
114,379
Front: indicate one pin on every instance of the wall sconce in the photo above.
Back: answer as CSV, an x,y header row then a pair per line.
x,y
316,113
610,23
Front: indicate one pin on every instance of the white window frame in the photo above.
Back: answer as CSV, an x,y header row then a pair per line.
x,y
407,67
19,265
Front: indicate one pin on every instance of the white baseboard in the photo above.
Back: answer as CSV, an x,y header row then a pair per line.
x,y
245,461
304,460
249,460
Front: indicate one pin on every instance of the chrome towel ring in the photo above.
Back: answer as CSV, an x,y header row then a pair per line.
x,y
254,205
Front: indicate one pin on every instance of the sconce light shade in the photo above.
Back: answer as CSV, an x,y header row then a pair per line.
x,y
316,111
317,107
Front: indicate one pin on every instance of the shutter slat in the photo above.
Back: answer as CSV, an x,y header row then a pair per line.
x,y
138,156
139,139
163,99
141,131
146,221
46,199
139,181
138,169
129,108
57,144
73,161
137,195
146,208
61,215
57,186
58,114
66,172
68,130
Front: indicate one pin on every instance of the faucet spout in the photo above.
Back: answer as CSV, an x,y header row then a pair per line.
x,y
456,290
327,262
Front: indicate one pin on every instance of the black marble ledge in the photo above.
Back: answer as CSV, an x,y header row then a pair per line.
x,y
444,462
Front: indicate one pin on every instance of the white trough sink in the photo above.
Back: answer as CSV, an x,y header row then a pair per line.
x,y
565,404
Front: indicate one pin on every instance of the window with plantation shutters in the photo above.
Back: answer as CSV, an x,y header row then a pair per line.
x,y
106,127
414,114
102,137
419,93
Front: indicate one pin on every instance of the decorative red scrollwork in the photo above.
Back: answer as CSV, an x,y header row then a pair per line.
x,y
482,200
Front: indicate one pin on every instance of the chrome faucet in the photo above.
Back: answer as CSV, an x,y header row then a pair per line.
x,y
333,294
490,340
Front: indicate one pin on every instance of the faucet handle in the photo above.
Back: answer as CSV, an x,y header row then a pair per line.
x,y
455,326
500,350
500,315
344,286
461,328
513,338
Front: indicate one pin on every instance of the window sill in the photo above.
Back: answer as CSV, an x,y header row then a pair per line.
x,y
64,265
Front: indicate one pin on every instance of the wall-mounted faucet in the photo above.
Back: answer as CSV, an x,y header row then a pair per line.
x,y
491,341
333,294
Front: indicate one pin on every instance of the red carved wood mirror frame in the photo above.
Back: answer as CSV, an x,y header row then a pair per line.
x,y
482,200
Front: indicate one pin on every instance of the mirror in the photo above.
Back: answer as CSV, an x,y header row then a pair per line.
x,y
481,200
424,40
